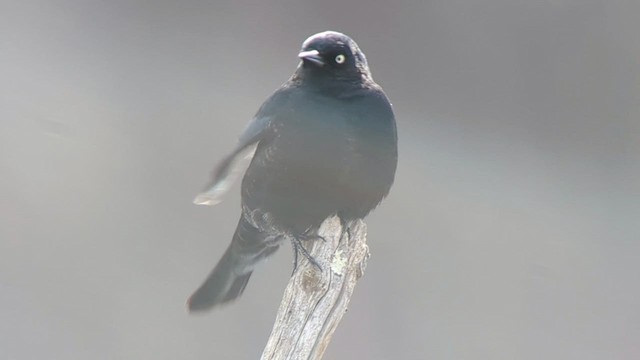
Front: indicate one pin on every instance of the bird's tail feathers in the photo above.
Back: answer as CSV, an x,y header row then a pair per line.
x,y
228,279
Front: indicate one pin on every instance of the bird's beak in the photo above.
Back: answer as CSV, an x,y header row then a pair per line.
x,y
313,56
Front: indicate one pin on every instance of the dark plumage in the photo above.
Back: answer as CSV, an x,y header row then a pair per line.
x,y
325,143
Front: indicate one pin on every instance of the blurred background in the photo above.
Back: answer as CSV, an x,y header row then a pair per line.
x,y
512,231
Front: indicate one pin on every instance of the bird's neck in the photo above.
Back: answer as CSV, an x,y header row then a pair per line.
x,y
336,86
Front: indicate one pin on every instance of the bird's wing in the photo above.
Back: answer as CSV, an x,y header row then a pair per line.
x,y
225,174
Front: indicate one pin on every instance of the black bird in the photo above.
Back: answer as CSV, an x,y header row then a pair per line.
x,y
323,144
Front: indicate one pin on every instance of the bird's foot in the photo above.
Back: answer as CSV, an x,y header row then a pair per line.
x,y
296,242
311,235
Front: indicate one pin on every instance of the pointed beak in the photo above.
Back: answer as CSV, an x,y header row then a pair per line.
x,y
313,56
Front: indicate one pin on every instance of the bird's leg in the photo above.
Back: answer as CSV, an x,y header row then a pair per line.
x,y
345,228
295,256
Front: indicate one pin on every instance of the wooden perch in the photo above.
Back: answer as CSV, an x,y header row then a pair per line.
x,y
314,301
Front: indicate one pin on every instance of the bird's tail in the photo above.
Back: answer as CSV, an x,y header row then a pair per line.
x,y
228,279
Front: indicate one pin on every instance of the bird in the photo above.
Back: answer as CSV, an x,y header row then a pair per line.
x,y
323,144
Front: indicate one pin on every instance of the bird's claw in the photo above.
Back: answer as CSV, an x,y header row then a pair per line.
x,y
296,242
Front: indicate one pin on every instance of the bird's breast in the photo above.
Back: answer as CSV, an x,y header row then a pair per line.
x,y
322,159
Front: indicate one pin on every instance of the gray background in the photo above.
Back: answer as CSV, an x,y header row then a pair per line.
x,y
511,232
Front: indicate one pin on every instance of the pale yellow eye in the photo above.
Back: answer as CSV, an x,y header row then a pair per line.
x,y
340,59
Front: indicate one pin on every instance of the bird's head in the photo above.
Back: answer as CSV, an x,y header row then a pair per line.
x,y
333,56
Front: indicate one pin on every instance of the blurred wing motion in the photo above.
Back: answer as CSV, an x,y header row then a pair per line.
x,y
224,176
228,170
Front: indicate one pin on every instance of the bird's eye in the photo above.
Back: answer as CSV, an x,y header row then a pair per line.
x,y
340,58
